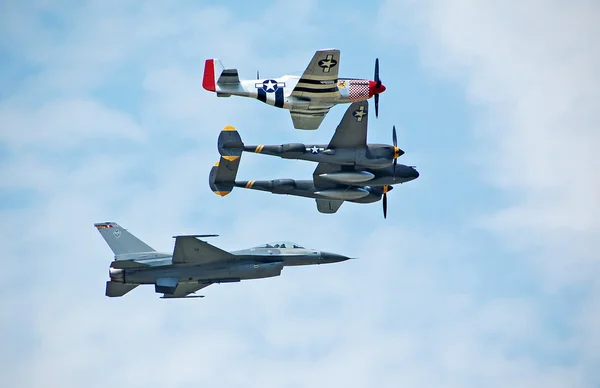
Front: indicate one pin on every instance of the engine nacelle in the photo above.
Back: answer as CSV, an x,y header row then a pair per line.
x,y
283,184
375,156
345,194
348,176
297,148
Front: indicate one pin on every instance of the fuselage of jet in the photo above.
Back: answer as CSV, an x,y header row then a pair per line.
x,y
253,263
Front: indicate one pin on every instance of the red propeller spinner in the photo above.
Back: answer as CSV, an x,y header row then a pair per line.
x,y
374,89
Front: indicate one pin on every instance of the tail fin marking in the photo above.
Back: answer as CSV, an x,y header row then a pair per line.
x,y
120,241
215,73
208,81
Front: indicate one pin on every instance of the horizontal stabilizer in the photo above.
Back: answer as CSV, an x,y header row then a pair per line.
x,y
114,289
229,76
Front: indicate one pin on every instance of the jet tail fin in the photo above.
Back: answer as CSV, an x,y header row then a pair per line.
x,y
215,73
120,241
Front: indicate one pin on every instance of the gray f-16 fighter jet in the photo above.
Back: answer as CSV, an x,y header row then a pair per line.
x,y
195,264
349,169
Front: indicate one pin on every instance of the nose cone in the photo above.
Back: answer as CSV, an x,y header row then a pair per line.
x,y
327,257
404,173
414,172
374,89
397,152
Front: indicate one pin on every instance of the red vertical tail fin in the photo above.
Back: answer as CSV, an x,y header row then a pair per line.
x,y
208,82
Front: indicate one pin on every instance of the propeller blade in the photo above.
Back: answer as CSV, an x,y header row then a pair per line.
x,y
376,77
384,205
376,105
395,141
257,77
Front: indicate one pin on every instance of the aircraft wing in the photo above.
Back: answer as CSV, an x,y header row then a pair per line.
x,y
184,289
322,168
320,77
191,250
352,130
309,118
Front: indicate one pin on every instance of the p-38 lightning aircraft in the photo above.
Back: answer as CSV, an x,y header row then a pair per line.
x,y
349,169
195,264
308,97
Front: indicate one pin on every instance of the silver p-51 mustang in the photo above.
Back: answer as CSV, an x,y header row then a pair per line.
x,y
308,97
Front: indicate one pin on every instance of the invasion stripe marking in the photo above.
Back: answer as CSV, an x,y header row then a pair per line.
x,y
262,95
312,90
279,98
317,82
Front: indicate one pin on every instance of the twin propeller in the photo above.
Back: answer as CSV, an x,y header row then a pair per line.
x,y
360,173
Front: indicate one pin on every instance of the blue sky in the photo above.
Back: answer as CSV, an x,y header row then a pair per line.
x,y
484,273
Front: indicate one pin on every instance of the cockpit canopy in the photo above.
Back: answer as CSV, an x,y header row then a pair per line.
x,y
282,244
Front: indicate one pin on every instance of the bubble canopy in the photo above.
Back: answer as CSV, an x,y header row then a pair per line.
x,y
282,245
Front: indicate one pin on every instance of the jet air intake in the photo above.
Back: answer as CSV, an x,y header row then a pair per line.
x,y
345,194
348,176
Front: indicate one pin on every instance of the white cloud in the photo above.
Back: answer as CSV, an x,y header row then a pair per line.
x,y
532,68
65,123
414,310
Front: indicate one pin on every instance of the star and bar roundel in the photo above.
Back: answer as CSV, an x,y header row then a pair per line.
x,y
271,86
327,63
